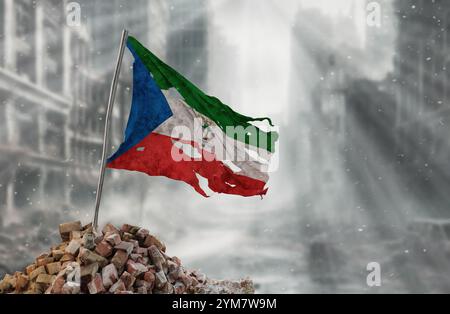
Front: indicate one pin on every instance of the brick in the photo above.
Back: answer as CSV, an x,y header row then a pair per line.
x,y
95,286
45,279
89,270
75,235
57,254
57,285
127,236
113,239
104,249
179,288
53,268
128,280
89,257
152,240
109,275
142,283
125,246
134,242
140,250
7,283
21,282
174,275
185,279
134,257
120,259
143,260
141,234
160,279
129,228
176,260
67,258
150,277
110,228
71,288
43,255
30,268
66,228
142,290
135,269
124,292
39,270
117,287
156,257
172,265
73,247
44,261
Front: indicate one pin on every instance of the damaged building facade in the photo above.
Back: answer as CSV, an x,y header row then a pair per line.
x,y
52,99
36,101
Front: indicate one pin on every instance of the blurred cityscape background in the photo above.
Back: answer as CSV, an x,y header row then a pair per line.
x,y
364,116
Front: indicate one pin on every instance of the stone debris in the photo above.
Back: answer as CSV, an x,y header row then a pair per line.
x,y
118,261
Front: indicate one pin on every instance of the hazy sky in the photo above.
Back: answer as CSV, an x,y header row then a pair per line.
x,y
260,31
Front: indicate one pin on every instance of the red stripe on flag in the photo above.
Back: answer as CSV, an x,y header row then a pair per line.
x,y
156,160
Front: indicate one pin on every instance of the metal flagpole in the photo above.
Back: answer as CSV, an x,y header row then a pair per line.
x,y
112,96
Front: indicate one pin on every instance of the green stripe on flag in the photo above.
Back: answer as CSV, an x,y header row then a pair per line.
x,y
213,108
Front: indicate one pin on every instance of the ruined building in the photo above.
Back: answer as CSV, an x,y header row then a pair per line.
x,y
53,95
187,49
421,76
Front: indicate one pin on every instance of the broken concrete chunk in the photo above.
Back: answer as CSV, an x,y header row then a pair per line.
x,y
66,228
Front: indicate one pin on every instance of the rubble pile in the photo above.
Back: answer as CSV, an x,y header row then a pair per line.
x,y
120,261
